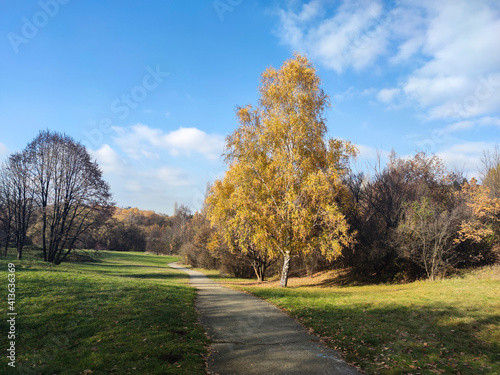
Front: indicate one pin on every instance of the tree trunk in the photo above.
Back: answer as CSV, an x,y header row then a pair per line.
x,y
259,269
44,240
286,267
7,240
262,271
6,248
256,269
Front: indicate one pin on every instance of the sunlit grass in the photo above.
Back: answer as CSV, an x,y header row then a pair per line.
x,y
128,313
450,326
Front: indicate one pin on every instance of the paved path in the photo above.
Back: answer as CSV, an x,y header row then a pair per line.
x,y
251,336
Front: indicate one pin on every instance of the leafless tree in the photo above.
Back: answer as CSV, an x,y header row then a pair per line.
x,y
70,192
6,209
22,197
428,235
381,203
175,235
490,170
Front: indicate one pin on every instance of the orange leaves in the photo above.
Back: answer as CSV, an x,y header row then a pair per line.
x,y
282,188
485,212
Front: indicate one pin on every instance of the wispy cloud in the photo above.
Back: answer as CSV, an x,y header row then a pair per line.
x,y
353,37
172,176
369,158
472,124
446,51
461,46
465,156
388,95
368,152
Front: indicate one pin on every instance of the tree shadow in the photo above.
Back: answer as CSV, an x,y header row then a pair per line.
x,y
155,276
436,337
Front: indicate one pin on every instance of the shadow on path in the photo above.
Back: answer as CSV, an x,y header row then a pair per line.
x,y
251,336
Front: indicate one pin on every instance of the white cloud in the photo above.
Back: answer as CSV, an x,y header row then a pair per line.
x,y
459,126
387,95
3,151
108,159
155,179
447,51
366,152
408,49
465,157
472,124
369,157
150,155
192,139
354,37
149,177
134,186
351,92
460,48
172,176
139,140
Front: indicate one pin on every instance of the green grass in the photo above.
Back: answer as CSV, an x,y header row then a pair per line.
x,y
128,313
450,326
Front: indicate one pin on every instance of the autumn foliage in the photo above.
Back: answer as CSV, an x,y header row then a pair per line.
x,y
280,196
291,199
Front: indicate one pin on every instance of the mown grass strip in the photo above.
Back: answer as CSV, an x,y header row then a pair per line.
x,y
129,313
445,327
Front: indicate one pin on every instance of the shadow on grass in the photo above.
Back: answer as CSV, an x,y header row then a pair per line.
x,y
348,278
437,337
79,321
153,275
128,266
109,270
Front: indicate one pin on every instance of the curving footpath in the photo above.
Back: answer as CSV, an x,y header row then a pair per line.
x,y
252,336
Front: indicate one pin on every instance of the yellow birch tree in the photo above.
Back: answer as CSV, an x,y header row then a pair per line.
x,y
283,187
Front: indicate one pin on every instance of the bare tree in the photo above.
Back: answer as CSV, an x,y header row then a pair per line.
x,y
70,192
16,191
22,197
490,170
175,235
380,206
6,209
429,235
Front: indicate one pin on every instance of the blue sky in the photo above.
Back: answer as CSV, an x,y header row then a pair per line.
x,y
151,87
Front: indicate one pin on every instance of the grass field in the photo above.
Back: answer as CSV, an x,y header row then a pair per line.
x,y
128,313
445,327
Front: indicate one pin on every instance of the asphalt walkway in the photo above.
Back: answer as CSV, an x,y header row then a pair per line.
x,y
251,336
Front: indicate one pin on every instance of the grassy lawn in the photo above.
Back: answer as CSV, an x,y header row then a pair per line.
x,y
128,313
445,327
